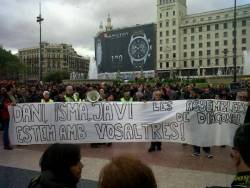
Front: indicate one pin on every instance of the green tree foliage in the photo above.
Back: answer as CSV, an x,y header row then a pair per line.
x,y
10,67
57,76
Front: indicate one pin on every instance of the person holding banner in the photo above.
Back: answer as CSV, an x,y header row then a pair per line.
x,y
156,145
61,167
69,97
196,94
126,97
46,97
7,100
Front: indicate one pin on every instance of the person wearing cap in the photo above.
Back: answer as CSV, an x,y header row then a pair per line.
x,y
46,97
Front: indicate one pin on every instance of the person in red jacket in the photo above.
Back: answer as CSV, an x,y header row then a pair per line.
x,y
7,100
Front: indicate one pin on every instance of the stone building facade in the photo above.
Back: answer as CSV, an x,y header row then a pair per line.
x,y
55,57
199,44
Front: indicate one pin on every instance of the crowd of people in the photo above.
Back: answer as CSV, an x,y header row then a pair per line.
x,y
12,94
60,164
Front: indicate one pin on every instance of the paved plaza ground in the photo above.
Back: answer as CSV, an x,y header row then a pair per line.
x,y
174,167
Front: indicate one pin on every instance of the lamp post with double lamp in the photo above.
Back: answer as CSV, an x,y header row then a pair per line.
x,y
39,19
235,43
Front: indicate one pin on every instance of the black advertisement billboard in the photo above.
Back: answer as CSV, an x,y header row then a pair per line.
x,y
125,50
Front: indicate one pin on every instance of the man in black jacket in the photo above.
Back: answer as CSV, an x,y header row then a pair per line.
x,y
240,155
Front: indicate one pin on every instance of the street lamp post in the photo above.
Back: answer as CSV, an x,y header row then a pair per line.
x,y
39,19
235,44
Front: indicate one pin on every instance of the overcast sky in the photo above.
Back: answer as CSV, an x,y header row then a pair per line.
x,y
76,21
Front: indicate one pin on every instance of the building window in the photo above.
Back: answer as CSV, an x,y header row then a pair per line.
x,y
244,48
200,53
217,43
244,41
216,35
225,34
185,54
208,28
161,49
208,36
185,46
200,37
160,15
173,13
167,23
160,56
192,54
216,26
244,31
167,33
167,56
217,52
200,63
166,14
192,30
160,41
208,44
202,19
174,55
192,63
225,25
216,62
160,65
225,61
225,42
192,38
208,52
174,40
174,64
174,32
192,46
185,31
174,47
167,64
244,23
160,24
200,29
160,34
167,41
174,22
208,62
200,45
185,64
185,39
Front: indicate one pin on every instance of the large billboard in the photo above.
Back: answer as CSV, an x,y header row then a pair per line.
x,y
125,50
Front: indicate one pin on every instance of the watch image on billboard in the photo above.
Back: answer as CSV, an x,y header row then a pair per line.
x,y
126,50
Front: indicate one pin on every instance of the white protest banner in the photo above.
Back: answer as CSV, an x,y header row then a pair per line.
x,y
196,122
